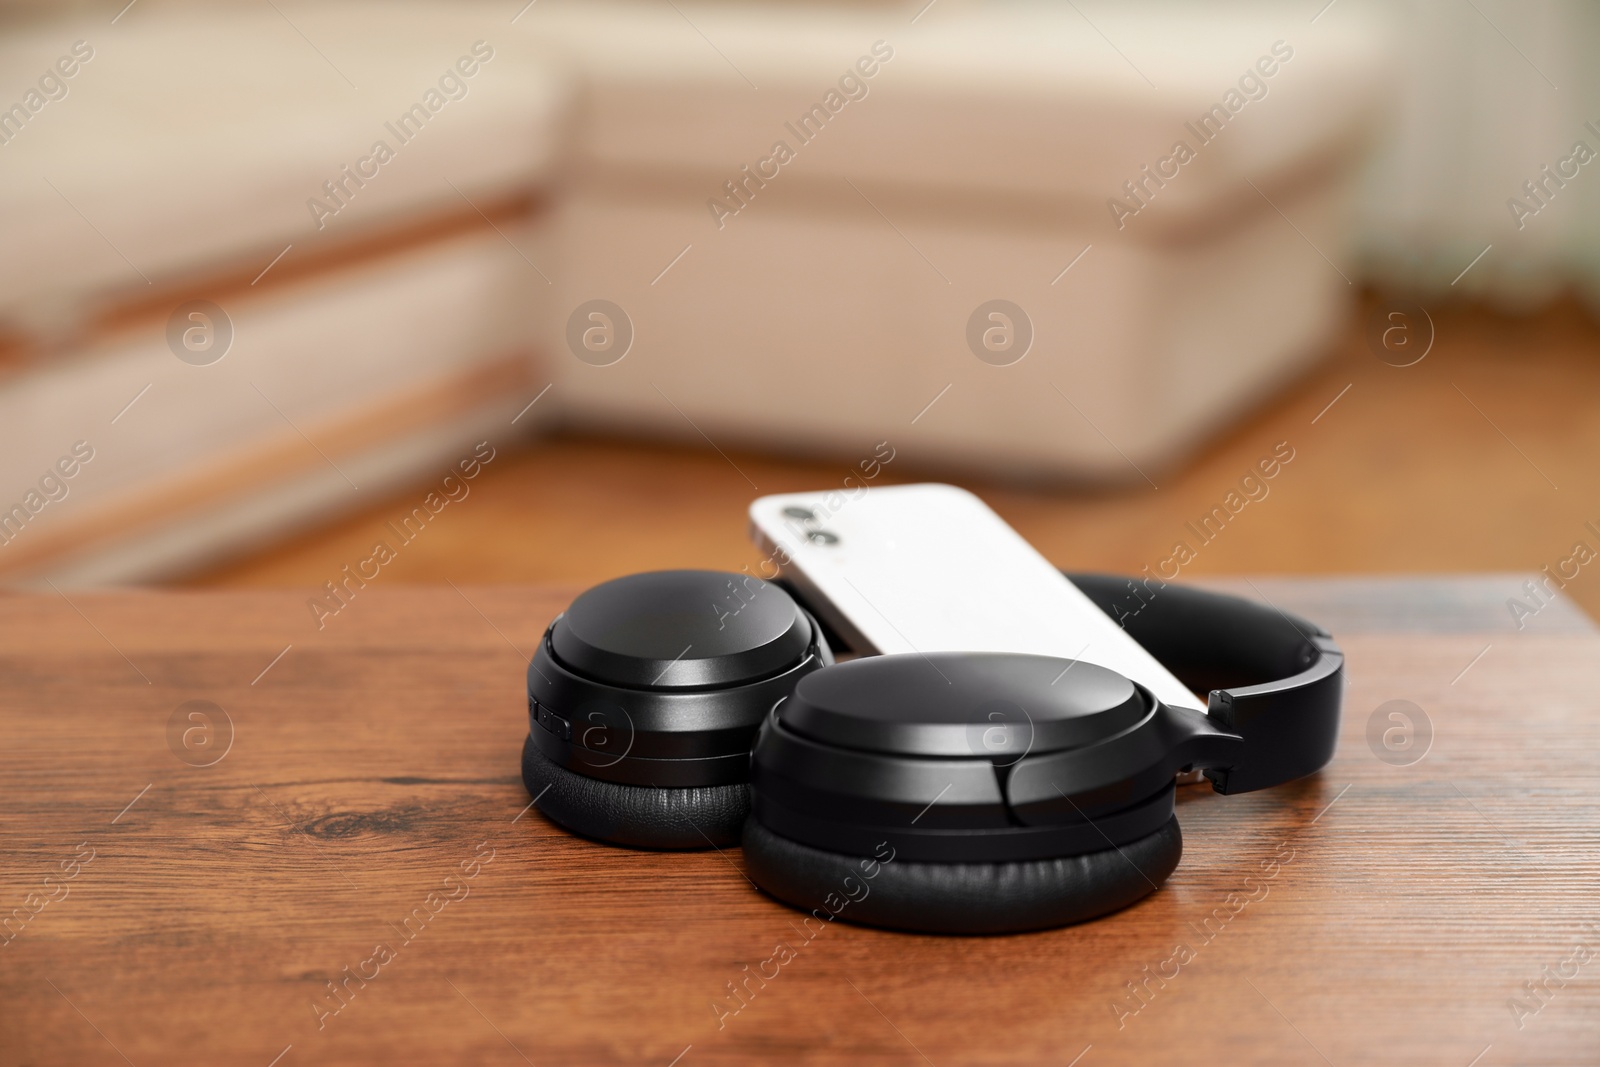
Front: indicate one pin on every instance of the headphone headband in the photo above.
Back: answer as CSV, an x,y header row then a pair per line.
x,y
1274,679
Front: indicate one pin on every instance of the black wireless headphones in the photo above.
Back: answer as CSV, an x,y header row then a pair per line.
x,y
954,792
645,695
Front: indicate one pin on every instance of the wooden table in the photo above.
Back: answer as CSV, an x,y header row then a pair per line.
x,y
162,911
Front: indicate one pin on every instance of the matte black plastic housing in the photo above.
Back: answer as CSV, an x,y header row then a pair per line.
x,y
662,679
974,756
1274,679
681,630
964,704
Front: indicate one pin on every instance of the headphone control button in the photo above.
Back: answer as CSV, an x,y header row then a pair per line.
x,y
555,724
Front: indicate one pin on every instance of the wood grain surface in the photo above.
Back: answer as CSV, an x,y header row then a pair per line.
x,y
157,911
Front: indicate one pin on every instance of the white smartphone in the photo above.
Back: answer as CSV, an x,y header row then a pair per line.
x,y
931,568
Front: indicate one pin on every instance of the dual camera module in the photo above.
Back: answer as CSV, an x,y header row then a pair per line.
x,y
809,525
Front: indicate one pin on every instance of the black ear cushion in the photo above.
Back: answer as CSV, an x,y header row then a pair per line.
x,y
959,898
635,815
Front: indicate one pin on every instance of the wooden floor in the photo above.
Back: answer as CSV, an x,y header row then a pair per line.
x,y
1480,457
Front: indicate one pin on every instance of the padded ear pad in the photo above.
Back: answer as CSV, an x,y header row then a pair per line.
x,y
635,815
960,898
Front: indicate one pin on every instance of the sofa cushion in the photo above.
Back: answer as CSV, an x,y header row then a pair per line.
x,y
1019,99
191,139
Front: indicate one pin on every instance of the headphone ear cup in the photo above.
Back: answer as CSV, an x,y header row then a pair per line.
x,y
632,741
637,816
960,898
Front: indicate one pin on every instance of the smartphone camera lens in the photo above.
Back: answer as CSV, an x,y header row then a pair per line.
x,y
795,511
822,537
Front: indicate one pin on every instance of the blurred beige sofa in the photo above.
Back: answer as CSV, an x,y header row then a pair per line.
x,y
995,152
365,316
380,325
